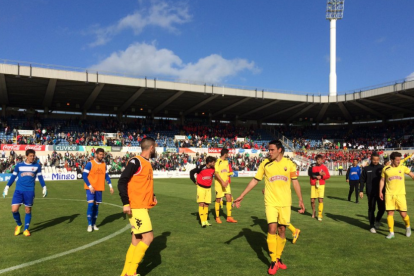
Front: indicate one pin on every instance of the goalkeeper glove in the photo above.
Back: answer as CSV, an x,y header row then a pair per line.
x,y
44,191
6,191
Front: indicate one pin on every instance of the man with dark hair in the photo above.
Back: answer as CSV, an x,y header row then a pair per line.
x,y
279,173
352,176
318,173
136,189
393,178
94,175
222,186
371,176
26,172
205,174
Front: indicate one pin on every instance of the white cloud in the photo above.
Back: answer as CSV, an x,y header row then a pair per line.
x,y
159,14
410,77
144,59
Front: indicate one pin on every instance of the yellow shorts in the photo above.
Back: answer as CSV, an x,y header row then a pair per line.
x,y
203,195
220,192
395,202
318,192
280,215
140,221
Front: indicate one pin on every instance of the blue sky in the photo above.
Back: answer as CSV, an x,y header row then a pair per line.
x,y
279,44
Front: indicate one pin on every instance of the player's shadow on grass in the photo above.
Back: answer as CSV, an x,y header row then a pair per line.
x,y
256,240
52,222
261,222
349,220
112,218
337,198
296,209
384,222
152,257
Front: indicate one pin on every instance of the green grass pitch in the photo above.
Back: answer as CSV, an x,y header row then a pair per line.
x,y
339,245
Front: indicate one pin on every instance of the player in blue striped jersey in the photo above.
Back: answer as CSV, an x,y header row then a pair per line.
x,y
25,173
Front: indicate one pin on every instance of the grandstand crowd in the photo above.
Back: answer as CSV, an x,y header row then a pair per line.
x,y
163,162
335,144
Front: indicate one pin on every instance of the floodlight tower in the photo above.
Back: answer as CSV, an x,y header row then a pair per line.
x,y
334,11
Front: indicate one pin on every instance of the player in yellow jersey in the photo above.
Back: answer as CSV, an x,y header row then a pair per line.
x,y
279,173
392,177
222,185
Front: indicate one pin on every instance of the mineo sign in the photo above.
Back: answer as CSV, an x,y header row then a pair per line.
x,y
60,176
66,148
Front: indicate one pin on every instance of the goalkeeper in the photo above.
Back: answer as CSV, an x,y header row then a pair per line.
x,y
25,190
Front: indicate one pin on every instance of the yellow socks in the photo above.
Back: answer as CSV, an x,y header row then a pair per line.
x,y
205,211
228,205
221,204
390,221
128,258
292,228
201,213
320,209
272,244
407,221
280,246
217,209
139,253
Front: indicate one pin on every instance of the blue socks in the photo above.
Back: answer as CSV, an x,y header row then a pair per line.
x,y
95,213
27,220
89,213
16,217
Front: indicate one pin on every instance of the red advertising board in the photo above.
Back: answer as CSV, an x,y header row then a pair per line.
x,y
218,150
23,147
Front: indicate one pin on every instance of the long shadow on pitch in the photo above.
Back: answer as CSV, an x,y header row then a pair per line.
x,y
349,220
261,222
384,221
257,242
337,198
296,209
112,218
152,257
52,222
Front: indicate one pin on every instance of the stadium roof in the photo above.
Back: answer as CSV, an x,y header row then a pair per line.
x,y
39,87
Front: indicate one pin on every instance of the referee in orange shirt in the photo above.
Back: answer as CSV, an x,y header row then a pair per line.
x,y
136,188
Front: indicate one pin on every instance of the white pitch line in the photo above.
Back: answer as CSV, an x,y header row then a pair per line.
x,y
70,251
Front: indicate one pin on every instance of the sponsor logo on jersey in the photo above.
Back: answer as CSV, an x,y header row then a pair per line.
x,y
223,171
278,177
206,177
27,174
397,177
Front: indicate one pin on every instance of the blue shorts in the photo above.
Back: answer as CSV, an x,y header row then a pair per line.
x,y
23,197
97,196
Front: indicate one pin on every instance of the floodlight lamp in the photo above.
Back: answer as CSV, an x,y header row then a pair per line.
x,y
335,9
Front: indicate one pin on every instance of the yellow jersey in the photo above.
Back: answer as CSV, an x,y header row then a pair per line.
x,y
394,179
222,168
278,177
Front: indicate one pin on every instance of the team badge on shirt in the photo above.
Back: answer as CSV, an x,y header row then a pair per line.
x,y
285,168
